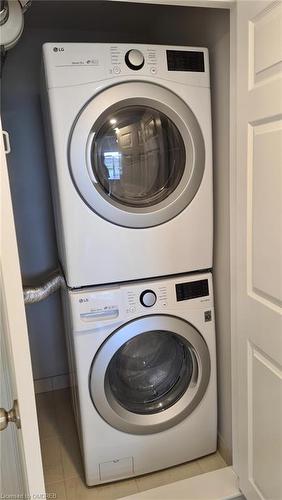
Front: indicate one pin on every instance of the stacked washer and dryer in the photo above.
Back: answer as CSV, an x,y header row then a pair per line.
x,y
129,136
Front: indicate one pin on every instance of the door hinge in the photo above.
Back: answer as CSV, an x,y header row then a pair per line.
x,y
6,140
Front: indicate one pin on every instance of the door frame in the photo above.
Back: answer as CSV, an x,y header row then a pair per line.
x,y
231,5
17,342
233,233
239,455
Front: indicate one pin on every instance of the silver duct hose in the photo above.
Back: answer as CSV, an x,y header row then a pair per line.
x,y
36,294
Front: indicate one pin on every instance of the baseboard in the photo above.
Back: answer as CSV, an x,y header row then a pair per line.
x,y
221,484
224,450
51,383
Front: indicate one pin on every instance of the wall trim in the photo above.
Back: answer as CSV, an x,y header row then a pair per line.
x,y
224,450
51,383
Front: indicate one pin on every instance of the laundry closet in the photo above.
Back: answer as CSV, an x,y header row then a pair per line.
x,y
125,24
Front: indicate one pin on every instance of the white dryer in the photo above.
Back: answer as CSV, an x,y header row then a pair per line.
x,y
143,369
131,153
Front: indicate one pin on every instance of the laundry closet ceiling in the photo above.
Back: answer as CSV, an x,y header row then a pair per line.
x,y
134,22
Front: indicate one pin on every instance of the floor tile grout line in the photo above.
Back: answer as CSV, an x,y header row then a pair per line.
x,y
75,473
51,483
61,437
55,492
56,438
59,464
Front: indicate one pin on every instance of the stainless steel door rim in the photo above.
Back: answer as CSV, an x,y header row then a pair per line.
x,y
108,406
102,107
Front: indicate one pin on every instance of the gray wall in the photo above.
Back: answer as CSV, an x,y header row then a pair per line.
x,y
108,22
221,261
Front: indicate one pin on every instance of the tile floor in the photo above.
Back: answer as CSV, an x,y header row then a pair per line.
x,y
62,463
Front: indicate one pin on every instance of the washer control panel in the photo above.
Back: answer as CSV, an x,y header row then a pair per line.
x,y
98,306
148,298
140,298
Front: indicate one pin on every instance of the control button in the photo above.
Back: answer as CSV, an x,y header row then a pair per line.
x,y
153,70
148,298
116,70
134,59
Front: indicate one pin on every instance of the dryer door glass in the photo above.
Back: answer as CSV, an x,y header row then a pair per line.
x,y
138,156
150,372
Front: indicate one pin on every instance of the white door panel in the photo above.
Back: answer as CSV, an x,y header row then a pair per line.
x,y
21,465
259,248
12,478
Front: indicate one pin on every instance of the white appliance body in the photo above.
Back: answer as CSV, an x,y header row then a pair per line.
x,y
103,323
151,213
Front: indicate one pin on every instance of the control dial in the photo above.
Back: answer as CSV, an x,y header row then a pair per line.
x,y
148,298
134,59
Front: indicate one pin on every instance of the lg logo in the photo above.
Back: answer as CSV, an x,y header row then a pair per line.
x,y
58,49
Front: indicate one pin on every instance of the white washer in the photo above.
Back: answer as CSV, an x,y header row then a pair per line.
x,y
130,131
143,370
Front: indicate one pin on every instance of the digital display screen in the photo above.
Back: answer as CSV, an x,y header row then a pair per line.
x,y
192,290
182,60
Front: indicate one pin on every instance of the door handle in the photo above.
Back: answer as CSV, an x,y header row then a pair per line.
x,y
12,415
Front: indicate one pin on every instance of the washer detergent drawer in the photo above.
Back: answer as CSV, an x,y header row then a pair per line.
x,y
115,469
100,315
93,309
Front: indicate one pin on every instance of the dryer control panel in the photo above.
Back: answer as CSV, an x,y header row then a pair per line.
x,y
68,64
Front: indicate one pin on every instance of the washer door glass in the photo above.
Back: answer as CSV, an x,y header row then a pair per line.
x,y
150,372
138,156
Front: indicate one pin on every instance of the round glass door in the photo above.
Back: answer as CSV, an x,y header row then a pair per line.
x,y
137,154
150,374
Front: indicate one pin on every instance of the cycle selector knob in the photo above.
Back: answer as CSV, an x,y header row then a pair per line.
x,y
134,59
148,298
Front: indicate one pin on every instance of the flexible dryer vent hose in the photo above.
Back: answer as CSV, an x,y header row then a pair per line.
x,y
36,294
